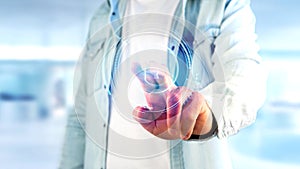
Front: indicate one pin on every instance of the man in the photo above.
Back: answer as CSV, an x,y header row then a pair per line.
x,y
186,71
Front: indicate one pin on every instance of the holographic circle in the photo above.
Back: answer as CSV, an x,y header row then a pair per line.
x,y
107,58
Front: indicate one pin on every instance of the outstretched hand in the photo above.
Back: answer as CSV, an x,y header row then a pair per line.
x,y
172,112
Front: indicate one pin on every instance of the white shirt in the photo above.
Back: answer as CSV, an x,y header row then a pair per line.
x,y
130,145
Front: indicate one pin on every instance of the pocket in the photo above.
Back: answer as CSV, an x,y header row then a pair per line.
x,y
94,47
201,72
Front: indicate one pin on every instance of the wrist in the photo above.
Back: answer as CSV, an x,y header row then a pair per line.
x,y
209,125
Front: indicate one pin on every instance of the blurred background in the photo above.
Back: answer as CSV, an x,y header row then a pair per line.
x,y
41,40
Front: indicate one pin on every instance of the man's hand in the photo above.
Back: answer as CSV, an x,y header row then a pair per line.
x,y
173,112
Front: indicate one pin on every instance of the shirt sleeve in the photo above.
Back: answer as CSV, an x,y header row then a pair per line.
x,y
238,90
73,151
74,141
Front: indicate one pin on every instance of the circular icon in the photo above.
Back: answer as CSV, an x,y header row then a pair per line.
x,y
114,62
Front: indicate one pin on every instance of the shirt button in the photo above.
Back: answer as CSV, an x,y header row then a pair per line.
x,y
104,86
113,13
104,125
173,47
